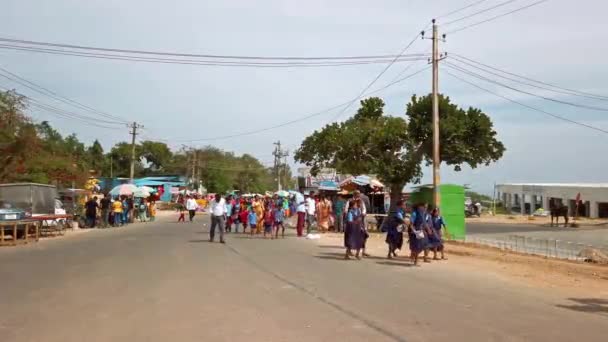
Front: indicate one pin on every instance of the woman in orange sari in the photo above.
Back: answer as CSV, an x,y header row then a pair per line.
x,y
258,207
323,213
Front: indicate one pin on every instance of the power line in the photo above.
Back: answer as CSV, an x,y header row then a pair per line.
x,y
205,62
62,113
301,118
370,84
520,81
480,12
175,54
474,74
565,90
44,91
496,17
461,9
530,107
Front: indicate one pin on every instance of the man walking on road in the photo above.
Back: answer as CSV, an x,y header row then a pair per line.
x,y
191,206
218,217
105,211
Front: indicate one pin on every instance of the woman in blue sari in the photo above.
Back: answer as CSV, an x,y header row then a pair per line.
x,y
417,231
437,235
394,236
354,234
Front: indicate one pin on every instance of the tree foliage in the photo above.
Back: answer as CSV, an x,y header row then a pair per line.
x,y
395,148
37,152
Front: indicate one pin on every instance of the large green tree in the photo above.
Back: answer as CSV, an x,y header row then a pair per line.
x,y
395,148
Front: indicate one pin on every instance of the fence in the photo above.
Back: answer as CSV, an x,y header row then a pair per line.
x,y
550,248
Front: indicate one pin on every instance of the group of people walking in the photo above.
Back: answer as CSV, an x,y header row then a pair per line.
x,y
425,229
118,211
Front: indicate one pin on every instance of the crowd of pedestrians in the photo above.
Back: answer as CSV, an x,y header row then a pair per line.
x,y
118,211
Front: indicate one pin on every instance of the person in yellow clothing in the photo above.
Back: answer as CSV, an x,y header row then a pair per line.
x,y
117,211
258,207
152,209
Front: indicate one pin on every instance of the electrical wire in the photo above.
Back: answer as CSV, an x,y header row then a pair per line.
x,y
496,17
520,81
461,9
529,107
480,12
474,74
203,62
306,117
370,84
563,90
60,112
44,91
174,54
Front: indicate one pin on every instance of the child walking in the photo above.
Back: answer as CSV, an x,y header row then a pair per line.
x,y
243,217
252,218
182,213
279,216
268,222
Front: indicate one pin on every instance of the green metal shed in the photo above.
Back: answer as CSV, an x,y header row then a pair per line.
x,y
451,208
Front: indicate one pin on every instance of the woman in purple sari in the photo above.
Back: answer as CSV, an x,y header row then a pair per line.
x,y
354,234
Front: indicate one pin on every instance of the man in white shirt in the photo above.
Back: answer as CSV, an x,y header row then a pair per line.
x,y
311,206
218,217
191,206
301,210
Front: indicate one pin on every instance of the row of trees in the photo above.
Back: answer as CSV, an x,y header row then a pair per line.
x,y
394,148
36,152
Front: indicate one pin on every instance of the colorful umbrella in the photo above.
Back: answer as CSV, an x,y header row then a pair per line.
x,y
123,190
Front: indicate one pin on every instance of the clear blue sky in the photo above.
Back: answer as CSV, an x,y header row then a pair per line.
x,y
559,41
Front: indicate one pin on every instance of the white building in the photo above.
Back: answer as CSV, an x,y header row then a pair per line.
x,y
527,197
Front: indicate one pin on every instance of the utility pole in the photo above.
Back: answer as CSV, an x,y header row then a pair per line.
x,y
134,126
435,59
278,155
111,166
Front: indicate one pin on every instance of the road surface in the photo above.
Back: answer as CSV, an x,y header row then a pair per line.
x,y
595,236
163,281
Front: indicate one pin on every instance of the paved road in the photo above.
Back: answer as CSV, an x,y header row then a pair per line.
x,y
597,236
163,282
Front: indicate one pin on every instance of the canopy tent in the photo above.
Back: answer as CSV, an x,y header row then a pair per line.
x,y
352,183
148,189
327,185
147,182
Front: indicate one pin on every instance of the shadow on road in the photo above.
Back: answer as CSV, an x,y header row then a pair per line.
x,y
332,247
404,263
197,241
331,257
589,305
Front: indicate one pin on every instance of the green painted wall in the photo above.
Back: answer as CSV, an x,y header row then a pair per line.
x,y
452,206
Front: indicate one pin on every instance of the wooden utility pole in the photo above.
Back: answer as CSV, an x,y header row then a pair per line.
x,y
134,126
278,155
436,156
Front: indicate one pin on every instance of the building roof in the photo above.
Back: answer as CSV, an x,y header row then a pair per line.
x,y
560,185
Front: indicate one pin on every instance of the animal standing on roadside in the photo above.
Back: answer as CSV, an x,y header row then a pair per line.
x,y
558,210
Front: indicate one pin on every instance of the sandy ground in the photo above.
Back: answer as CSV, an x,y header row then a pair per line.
x,y
568,277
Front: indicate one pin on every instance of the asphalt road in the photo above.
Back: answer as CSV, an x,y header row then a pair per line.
x,y
163,282
595,236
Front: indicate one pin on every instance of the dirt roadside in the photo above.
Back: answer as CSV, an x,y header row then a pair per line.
x,y
530,270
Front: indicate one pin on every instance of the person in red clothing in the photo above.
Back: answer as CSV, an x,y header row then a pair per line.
x,y
268,221
243,216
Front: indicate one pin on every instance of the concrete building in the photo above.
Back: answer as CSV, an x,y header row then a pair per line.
x,y
528,197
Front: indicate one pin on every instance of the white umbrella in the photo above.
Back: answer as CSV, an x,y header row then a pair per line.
x,y
141,193
148,189
123,190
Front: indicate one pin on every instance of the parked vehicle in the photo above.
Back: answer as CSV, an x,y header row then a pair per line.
x,y
10,211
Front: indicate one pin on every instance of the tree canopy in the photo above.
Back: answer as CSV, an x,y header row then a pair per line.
x,y
37,152
395,148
